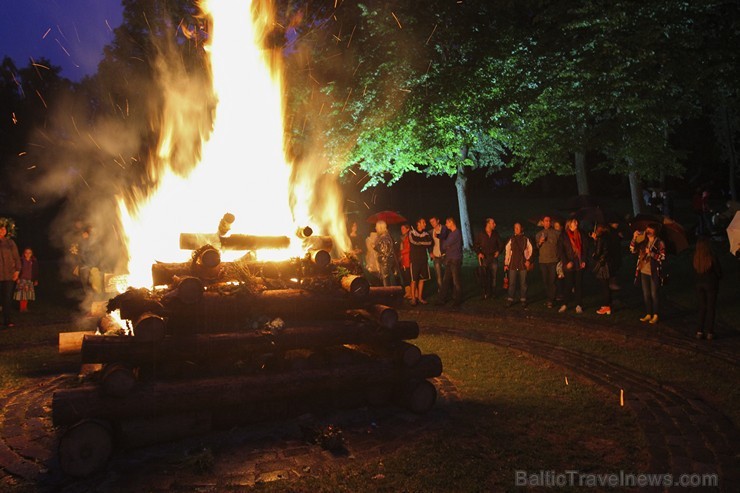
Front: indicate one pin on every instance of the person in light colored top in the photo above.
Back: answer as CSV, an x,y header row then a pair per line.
x,y
516,264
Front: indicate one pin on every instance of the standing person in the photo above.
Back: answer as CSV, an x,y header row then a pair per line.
x,y
488,246
371,258
404,260
572,247
516,263
708,274
547,243
452,249
387,260
650,251
10,268
421,242
438,230
606,264
356,241
27,280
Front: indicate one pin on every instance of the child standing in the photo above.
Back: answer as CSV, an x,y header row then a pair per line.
x,y
28,278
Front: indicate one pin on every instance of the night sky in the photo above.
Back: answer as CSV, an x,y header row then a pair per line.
x,y
46,28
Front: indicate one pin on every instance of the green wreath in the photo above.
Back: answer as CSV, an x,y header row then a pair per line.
x,y
9,225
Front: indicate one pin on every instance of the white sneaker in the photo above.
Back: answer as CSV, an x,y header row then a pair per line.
x,y
579,309
562,308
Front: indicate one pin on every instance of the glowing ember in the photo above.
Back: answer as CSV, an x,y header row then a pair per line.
x,y
242,169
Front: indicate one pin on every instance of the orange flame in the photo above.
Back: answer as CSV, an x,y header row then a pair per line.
x,y
243,168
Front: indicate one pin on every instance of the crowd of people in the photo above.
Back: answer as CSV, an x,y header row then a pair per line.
x,y
562,250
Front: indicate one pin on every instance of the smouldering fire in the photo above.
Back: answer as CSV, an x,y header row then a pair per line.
x,y
243,168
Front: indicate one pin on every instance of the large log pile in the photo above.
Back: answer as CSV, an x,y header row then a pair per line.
x,y
224,343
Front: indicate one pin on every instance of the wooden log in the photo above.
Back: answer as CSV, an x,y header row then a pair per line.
x,y
85,447
71,342
150,328
109,324
224,226
205,347
117,380
193,241
320,258
400,352
383,315
417,396
189,290
355,285
164,272
219,312
151,430
304,232
318,243
157,398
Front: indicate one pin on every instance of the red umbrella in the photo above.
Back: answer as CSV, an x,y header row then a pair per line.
x,y
390,217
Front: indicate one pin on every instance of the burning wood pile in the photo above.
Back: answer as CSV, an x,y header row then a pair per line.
x,y
226,343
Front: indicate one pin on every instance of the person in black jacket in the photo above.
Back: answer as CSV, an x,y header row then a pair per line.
x,y
708,273
606,263
488,246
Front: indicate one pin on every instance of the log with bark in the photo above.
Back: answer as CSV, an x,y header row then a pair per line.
x,y
193,241
72,405
207,347
223,312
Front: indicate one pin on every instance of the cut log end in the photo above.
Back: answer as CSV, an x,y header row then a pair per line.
x,y
85,448
418,397
118,380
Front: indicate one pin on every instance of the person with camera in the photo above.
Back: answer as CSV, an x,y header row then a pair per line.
x,y
650,251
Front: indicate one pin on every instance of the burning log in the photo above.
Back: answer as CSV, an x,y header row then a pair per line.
x,y
318,243
321,258
72,405
304,232
205,347
193,241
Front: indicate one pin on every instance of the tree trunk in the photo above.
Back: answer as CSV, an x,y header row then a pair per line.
x,y
728,134
635,190
581,175
461,184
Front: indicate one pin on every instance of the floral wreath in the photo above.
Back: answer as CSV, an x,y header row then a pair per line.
x,y
9,224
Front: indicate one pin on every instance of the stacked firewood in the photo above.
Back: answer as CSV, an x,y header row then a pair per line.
x,y
223,343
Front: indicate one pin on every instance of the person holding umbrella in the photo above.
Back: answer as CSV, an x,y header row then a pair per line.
x,y
650,251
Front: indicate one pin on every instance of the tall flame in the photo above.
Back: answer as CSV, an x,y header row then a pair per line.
x,y
243,168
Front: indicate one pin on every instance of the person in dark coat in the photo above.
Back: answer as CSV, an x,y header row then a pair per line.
x,y
421,241
573,247
452,248
488,246
606,263
708,274
10,269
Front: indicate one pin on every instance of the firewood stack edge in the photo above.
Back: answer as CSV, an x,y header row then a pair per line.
x,y
219,344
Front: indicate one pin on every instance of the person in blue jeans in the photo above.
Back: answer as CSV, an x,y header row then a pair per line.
x,y
452,248
516,263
